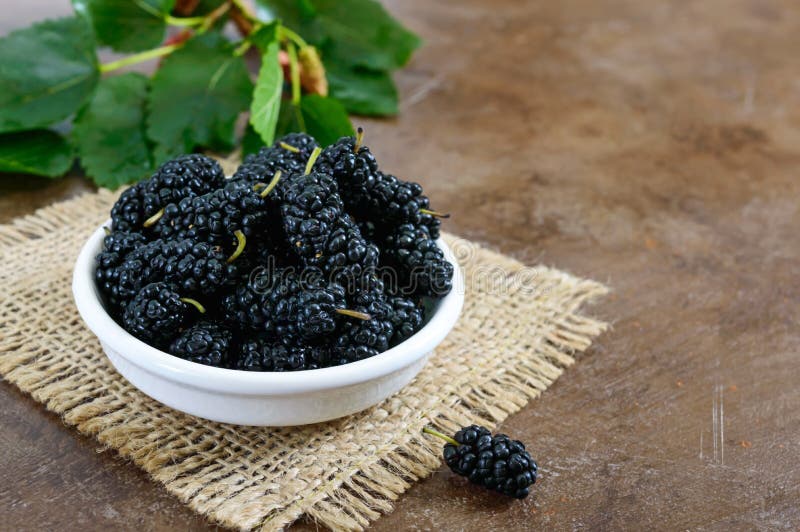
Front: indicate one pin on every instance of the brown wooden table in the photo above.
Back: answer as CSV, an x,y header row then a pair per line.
x,y
654,146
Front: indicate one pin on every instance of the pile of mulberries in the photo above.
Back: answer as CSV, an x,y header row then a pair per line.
x,y
304,259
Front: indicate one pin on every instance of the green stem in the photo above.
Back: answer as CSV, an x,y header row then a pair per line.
x,y
212,17
288,147
286,33
439,435
312,159
294,69
271,185
359,139
242,48
153,219
139,58
435,214
241,242
184,22
353,314
195,303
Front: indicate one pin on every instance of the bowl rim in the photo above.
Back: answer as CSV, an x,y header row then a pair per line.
x,y
241,382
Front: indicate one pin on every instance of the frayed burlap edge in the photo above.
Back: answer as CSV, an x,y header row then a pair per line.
x,y
485,393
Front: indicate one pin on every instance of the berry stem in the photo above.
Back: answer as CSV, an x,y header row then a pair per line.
x,y
139,58
353,314
212,17
289,35
153,219
312,159
271,185
241,242
242,48
183,22
196,304
288,147
437,214
448,439
359,139
294,72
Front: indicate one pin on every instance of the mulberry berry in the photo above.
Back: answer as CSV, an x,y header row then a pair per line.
x,y
127,214
196,268
494,462
262,354
285,305
348,258
288,154
183,177
362,339
406,317
322,234
372,194
421,266
156,313
215,217
116,246
310,206
206,342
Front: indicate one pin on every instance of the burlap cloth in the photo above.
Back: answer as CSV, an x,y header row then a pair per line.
x,y
518,331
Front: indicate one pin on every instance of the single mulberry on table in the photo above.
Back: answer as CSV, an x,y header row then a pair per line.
x,y
495,462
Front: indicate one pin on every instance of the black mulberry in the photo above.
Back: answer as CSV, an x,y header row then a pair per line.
x,y
348,258
494,462
196,268
361,339
262,354
310,206
216,217
406,317
156,314
116,246
285,304
183,177
206,342
372,194
420,264
288,154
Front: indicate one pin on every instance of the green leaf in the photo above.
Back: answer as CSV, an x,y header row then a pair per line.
x,y
251,141
109,132
126,25
352,32
267,95
47,71
294,13
264,36
204,7
362,91
196,96
38,152
325,119
290,119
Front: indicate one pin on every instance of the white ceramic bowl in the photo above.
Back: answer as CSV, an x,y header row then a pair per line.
x,y
256,398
